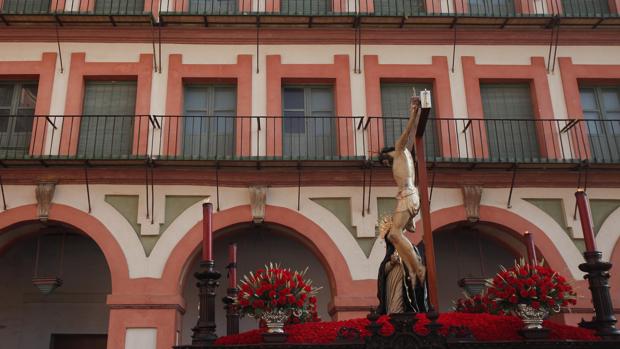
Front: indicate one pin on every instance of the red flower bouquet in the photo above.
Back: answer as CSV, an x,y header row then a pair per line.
x,y
535,285
480,303
278,289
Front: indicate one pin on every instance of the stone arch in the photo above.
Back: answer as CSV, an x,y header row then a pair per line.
x,y
83,223
307,232
511,223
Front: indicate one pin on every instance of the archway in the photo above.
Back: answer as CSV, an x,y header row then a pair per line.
x,y
75,313
257,245
471,252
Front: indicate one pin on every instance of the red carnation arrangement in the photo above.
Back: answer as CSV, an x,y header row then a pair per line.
x,y
536,285
275,287
479,303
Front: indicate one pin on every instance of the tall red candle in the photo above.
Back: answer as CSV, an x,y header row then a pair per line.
x,y
232,269
207,232
583,205
531,249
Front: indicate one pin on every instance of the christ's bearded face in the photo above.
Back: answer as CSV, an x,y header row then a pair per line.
x,y
387,157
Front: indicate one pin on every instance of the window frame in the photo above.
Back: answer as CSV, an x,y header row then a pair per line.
x,y
13,115
210,115
308,112
503,148
431,144
600,142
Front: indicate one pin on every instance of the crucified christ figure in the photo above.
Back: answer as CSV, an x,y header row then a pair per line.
x,y
408,201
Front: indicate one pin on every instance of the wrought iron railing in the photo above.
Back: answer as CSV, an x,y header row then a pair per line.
x,y
269,138
75,7
304,138
511,140
420,8
380,8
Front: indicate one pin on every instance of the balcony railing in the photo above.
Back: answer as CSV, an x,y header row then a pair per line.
x,y
473,8
84,7
303,138
330,8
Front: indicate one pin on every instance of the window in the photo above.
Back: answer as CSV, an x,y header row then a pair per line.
x,y
213,6
106,128
209,121
399,7
601,110
17,103
492,8
395,101
509,120
585,8
26,6
308,123
305,7
119,7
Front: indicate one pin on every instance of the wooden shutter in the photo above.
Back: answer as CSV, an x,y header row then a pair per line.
x,y
395,102
399,7
305,7
26,6
119,6
493,8
221,7
585,8
106,128
509,120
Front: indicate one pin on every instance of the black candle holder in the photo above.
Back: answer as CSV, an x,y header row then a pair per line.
x,y
598,278
204,331
232,311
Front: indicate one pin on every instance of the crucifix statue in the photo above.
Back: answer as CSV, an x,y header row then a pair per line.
x,y
402,274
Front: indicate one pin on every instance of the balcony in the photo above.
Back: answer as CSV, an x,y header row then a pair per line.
x,y
76,12
388,12
342,13
322,141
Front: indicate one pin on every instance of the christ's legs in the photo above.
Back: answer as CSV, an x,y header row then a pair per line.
x,y
404,246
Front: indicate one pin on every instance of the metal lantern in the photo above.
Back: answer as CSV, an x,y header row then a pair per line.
x,y
47,284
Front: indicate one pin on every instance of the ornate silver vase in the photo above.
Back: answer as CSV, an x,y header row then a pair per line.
x,y
275,320
532,318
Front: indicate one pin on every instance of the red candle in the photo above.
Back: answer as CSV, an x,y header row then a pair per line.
x,y
531,249
232,266
207,232
583,205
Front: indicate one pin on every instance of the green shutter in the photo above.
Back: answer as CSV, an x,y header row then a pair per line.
x,y
510,126
305,7
491,8
399,7
106,128
585,8
395,101
216,7
119,7
26,6
209,122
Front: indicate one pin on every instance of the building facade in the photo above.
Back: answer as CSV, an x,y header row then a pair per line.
x,y
119,117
